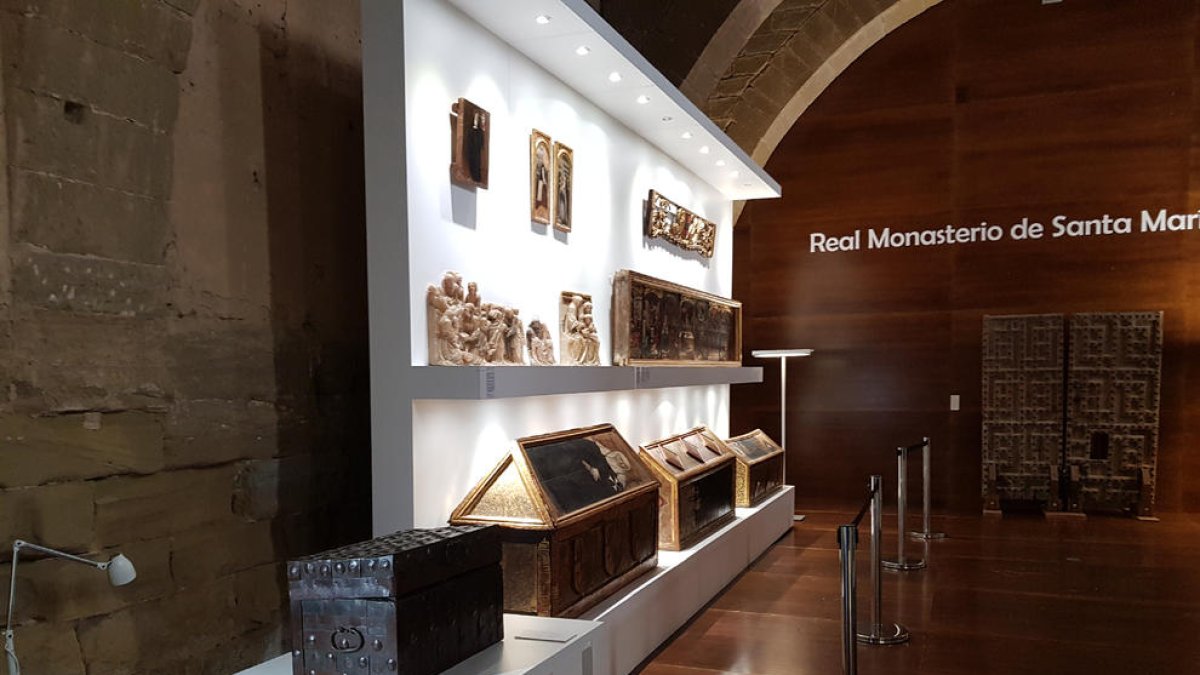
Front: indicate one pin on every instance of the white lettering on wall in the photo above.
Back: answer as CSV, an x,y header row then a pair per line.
x,y
1061,227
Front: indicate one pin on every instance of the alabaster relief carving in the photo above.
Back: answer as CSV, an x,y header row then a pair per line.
x,y
667,220
577,327
465,331
541,344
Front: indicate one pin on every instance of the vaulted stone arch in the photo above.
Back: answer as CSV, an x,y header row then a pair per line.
x,y
775,57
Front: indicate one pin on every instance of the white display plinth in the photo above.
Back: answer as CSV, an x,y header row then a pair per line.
x,y
584,654
646,613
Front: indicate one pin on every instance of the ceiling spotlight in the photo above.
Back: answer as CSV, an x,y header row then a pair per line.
x,y
583,50
704,149
720,162
686,135
734,174
542,19
643,99
614,76
667,118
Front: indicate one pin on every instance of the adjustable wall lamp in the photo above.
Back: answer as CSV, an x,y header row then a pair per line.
x,y
120,572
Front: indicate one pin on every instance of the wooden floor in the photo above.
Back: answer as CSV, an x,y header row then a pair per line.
x,y
1007,596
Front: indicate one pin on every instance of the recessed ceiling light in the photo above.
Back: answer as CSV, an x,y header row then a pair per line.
x,y
643,99
583,50
614,76
720,162
734,174
667,118
542,19
685,135
704,149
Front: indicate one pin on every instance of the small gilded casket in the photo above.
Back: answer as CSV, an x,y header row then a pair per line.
x,y
759,466
578,513
696,475
414,602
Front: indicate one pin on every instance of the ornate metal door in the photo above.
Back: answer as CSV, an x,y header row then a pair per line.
x,y
1022,408
1113,381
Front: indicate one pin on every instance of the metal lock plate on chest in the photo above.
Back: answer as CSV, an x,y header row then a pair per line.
x,y
348,636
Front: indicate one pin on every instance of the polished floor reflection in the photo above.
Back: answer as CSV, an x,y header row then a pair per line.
x,y
1009,596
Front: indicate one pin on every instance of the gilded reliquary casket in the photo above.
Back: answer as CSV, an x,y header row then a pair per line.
x,y
579,518
658,323
696,475
759,466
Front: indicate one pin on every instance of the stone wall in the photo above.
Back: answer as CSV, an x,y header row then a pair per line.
x,y
182,319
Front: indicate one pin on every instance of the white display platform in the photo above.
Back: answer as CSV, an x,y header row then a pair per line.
x,y
584,654
647,612
489,382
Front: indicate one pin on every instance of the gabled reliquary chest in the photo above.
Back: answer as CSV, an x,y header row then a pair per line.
x,y
696,475
760,469
414,602
578,513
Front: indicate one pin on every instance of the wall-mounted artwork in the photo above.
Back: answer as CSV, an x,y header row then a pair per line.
x,y
578,337
656,322
541,177
541,344
564,186
465,331
469,141
667,220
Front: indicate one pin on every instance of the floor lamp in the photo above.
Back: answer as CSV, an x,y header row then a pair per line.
x,y
782,355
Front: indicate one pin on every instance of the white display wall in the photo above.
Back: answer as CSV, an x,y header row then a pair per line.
x,y
487,235
419,57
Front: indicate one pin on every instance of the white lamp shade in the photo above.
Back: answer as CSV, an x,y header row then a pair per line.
x,y
121,570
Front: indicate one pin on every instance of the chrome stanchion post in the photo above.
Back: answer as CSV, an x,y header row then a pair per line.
x,y
902,563
876,633
926,532
847,542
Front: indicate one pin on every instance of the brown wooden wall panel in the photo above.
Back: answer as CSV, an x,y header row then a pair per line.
x,y
977,110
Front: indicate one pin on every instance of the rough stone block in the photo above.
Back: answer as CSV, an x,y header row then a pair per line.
x,y
71,217
38,450
210,431
70,140
731,86
49,648
146,28
131,641
88,362
185,6
793,17
86,284
239,360
825,35
747,65
720,107
778,84
55,590
58,516
199,556
766,42
137,508
48,59
290,485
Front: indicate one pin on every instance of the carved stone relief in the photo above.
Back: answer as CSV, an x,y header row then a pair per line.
x,y
465,331
541,344
580,341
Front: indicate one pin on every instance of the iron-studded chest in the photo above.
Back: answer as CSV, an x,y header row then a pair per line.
x,y
413,602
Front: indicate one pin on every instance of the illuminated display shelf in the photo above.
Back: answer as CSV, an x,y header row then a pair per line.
x,y
491,382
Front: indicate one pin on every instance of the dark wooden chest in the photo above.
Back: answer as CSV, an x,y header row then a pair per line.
x,y
414,602
760,467
579,514
696,475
